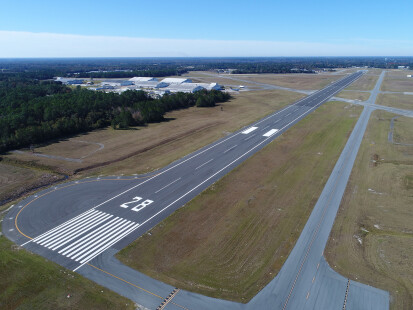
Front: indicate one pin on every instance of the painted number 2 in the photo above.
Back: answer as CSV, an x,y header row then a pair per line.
x,y
138,207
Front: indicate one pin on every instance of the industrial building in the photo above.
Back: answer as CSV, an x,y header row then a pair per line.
x,y
184,88
117,83
138,79
176,80
69,81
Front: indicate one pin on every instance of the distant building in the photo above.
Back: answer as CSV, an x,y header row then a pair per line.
x,y
117,83
143,79
403,67
150,84
207,86
184,88
176,80
69,81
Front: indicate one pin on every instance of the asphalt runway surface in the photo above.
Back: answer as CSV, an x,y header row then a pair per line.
x,y
80,225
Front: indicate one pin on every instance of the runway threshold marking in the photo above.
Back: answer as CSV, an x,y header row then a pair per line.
x,y
97,231
62,187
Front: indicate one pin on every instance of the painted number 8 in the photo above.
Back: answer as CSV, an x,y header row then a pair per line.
x,y
139,206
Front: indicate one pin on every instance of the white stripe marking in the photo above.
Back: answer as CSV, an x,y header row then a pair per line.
x,y
103,237
71,237
73,224
68,250
230,149
167,185
270,133
252,136
247,131
60,226
93,255
69,229
204,164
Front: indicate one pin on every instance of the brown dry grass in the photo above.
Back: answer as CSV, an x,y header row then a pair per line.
x,y
231,240
396,100
355,95
377,208
397,80
366,82
152,147
403,130
295,81
16,180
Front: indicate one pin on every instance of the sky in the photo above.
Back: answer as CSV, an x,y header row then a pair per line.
x,y
182,28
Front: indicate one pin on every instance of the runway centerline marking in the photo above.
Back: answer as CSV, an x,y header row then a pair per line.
x,y
204,164
250,137
231,148
168,185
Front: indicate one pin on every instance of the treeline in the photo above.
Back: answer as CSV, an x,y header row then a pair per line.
x,y
128,67
35,112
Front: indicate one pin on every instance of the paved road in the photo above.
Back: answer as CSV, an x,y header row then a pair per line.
x,y
80,225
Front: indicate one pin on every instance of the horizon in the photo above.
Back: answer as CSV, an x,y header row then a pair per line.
x,y
181,29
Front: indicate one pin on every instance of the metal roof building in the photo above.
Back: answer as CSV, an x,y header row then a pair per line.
x,y
142,79
184,88
176,80
207,86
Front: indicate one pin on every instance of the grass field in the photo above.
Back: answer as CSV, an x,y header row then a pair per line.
x,y
296,81
372,238
397,80
144,149
366,82
355,95
403,130
28,281
396,100
231,240
17,179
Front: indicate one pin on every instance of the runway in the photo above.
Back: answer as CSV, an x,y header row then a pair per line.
x,y
80,225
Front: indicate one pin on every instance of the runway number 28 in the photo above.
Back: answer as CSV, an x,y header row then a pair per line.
x,y
136,202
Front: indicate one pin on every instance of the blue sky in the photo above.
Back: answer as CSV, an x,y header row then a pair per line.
x,y
205,28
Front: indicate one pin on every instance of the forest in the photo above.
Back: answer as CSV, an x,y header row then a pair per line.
x,y
162,66
34,112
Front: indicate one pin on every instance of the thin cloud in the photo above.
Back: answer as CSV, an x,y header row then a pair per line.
x,y
16,44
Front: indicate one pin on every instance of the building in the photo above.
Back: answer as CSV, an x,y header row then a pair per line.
x,y
207,86
116,83
150,84
176,80
143,79
69,81
184,88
